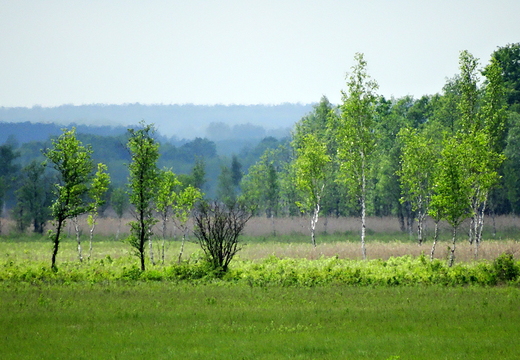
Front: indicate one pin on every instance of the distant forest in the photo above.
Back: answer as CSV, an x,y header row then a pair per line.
x,y
175,122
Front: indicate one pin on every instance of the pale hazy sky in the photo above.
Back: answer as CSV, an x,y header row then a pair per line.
x,y
237,52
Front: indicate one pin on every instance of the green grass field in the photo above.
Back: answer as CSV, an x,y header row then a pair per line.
x,y
166,321
280,300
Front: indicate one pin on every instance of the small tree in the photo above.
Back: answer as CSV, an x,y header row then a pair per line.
x,y
418,163
356,136
99,187
143,188
311,167
73,163
183,203
451,200
167,182
217,229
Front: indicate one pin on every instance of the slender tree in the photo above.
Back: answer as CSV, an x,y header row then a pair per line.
x,y
183,202
74,166
356,137
418,163
311,168
143,188
99,187
452,187
167,182
482,127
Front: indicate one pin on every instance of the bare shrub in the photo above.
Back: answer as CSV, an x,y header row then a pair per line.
x,y
217,229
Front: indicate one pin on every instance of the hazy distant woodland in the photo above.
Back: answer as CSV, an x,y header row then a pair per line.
x,y
172,121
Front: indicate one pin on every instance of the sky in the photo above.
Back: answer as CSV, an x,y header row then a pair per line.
x,y
237,52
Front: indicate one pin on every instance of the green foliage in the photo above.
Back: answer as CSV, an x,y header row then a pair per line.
x,y
355,128
505,267
311,168
8,169
119,201
143,187
268,272
73,164
226,190
261,185
508,59
33,198
452,184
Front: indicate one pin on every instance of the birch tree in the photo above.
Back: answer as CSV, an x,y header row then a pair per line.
x,y
311,168
167,182
482,123
74,166
356,136
99,187
182,204
452,188
418,163
144,150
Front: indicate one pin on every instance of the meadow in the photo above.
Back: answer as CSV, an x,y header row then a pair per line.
x,y
281,299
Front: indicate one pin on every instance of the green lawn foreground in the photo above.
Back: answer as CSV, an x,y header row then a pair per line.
x,y
162,320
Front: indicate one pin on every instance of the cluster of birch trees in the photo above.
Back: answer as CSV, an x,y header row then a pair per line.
x,y
440,156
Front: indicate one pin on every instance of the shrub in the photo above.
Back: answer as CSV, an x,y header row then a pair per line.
x,y
505,268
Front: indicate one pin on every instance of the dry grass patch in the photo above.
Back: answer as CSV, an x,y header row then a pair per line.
x,y
352,250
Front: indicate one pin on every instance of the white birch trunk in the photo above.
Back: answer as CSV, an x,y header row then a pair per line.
x,y
435,237
363,208
452,255
182,244
78,240
91,236
150,245
314,221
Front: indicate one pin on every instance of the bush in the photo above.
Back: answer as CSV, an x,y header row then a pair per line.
x,y
217,229
505,268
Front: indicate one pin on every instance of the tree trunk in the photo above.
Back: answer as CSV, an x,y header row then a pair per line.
x,y
78,240
314,221
452,254
118,229
91,237
480,224
56,244
162,250
471,235
182,246
420,227
164,225
363,212
435,237
150,245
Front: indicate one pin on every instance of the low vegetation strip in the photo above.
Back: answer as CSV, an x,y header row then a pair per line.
x,y
273,271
